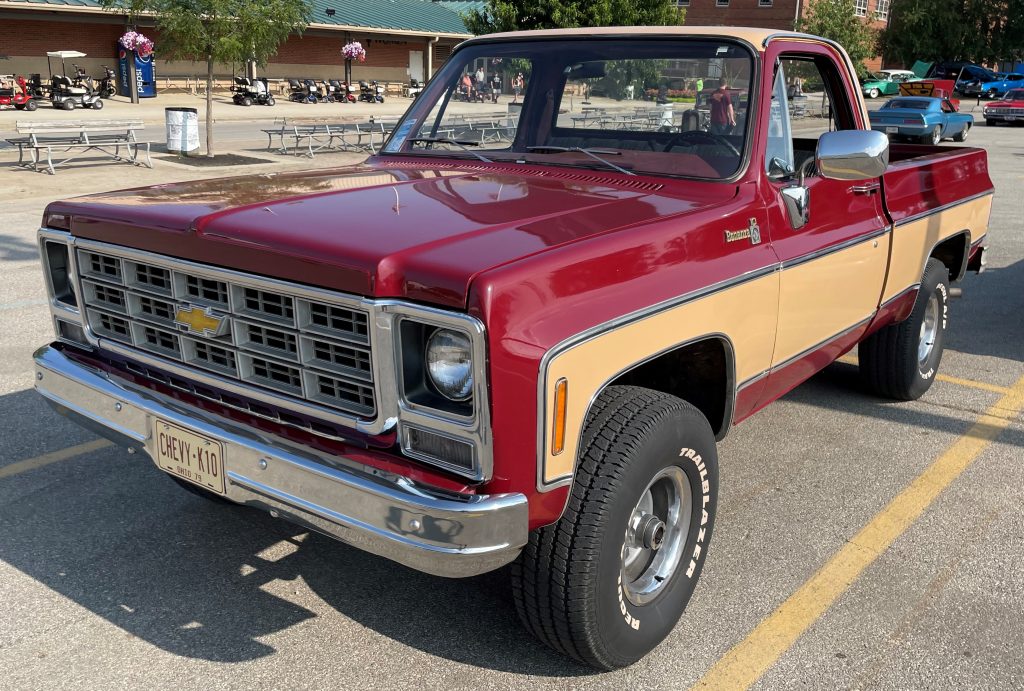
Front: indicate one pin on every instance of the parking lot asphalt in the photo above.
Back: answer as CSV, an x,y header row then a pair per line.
x,y
860,543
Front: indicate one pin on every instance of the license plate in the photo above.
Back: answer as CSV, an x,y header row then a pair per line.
x,y
1011,117
190,456
892,130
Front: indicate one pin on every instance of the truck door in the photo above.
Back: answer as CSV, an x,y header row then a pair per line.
x,y
834,255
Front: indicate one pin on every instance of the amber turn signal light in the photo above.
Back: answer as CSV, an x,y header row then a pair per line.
x,y
558,421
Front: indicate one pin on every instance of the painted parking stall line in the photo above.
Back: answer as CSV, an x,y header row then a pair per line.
x,y
53,457
746,662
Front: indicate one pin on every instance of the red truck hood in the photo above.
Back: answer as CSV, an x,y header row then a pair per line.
x,y
419,232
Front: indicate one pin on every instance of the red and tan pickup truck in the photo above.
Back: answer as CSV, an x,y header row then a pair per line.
x,y
515,338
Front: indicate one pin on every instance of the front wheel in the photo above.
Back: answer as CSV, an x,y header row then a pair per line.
x,y
609,581
900,360
97,105
873,93
271,101
31,105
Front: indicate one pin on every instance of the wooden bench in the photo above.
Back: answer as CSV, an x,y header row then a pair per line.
x,y
108,137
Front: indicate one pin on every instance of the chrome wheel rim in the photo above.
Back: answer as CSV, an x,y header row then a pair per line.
x,y
936,135
655,535
929,330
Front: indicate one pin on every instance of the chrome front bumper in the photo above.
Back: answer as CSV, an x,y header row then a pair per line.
x,y
441,533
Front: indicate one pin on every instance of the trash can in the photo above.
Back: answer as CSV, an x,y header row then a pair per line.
x,y
182,130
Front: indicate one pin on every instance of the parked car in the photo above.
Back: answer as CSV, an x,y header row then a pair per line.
x,y
885,82
998,87
465,353
1010,109
927,120
968,75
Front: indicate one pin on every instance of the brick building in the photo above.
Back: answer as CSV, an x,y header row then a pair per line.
x,y
403,39
775,14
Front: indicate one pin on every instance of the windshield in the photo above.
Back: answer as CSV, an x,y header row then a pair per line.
x,y
658,106
1014,95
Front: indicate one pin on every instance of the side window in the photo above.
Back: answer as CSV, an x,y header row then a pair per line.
x,y
815,102
778,160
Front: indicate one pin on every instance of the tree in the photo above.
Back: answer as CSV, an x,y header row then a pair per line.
x,y
837,20
521,15
214,31
973,30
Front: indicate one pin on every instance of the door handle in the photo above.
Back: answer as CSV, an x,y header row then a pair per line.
x,y
867,188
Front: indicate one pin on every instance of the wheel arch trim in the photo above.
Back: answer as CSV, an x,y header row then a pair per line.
x,y
728,412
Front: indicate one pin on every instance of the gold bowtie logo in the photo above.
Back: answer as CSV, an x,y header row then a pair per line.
x,y
200,320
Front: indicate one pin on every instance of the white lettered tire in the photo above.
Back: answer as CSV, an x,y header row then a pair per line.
x,y
900,360
608,582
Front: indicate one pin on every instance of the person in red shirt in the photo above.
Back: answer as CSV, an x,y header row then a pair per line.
x,y
723,117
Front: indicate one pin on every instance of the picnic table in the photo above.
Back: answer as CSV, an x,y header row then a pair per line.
x,y
108,137
310,135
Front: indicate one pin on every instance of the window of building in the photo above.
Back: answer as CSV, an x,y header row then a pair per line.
x,y
882,10
721,3
682,3
764,3
860,8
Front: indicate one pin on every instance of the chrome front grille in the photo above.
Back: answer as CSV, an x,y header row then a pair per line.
x,y
288,343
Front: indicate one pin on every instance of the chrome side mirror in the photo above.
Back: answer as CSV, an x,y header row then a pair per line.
x,y
852,154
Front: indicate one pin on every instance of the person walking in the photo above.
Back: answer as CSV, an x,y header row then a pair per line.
x,y
723,116
517,86
495,86
700,86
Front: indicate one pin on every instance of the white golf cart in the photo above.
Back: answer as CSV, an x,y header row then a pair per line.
x,y
65,93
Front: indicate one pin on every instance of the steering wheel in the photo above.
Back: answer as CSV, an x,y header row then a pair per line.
x,y
697,137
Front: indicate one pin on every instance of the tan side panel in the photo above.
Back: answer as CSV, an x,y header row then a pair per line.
x,y
828,295
746,313
914,241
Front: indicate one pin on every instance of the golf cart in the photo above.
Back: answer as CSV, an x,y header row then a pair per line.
x,y
63,92
14,92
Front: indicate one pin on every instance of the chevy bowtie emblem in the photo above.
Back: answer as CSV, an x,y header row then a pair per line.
x,y
200,321
751,232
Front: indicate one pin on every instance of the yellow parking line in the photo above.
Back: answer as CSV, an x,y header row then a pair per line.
x,y
748,660
53,457
984,386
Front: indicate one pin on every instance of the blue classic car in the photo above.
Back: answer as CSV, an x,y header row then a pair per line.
x,y
925,119
1000,86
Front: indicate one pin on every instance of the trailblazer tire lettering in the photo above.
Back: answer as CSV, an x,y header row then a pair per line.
x,y
631,621
705,487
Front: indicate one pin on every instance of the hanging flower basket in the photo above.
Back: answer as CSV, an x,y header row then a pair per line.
x,y
354,51
133,40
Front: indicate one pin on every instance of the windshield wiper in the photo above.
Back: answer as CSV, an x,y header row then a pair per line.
x,y
463,144
593,153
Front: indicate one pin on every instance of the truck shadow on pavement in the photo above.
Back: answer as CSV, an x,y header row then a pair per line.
x,y
208,581
15,249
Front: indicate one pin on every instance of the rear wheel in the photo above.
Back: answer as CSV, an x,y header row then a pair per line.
x,y
961,136
608,582
933,137
68,105
900,360
270,100
246,101
31,105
